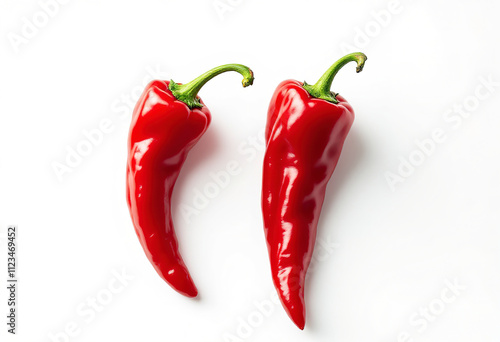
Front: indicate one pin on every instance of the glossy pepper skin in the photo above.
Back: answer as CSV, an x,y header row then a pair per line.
x,y
168,120
305,132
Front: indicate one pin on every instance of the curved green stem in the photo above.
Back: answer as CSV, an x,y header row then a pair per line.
x,y
321,89
188,93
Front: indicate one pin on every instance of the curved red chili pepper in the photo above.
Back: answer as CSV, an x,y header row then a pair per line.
x,y
306,129
167,122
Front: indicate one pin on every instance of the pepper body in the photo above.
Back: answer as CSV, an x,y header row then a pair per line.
x,y
304,137
167,122
162,133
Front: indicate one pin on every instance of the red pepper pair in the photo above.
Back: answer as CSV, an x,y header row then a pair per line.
x,y
305,132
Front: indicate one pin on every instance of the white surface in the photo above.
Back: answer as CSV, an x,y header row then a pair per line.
x,y
388,254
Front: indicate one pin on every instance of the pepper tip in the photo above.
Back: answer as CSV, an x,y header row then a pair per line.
x,y
299,321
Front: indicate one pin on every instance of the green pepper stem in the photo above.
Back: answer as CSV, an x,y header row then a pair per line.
x,y
188,93
321,89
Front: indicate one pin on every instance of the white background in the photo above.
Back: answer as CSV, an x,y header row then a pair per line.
x,y
386,254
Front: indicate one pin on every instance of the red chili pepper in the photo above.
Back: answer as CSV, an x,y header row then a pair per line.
x,y
167,122
305,132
